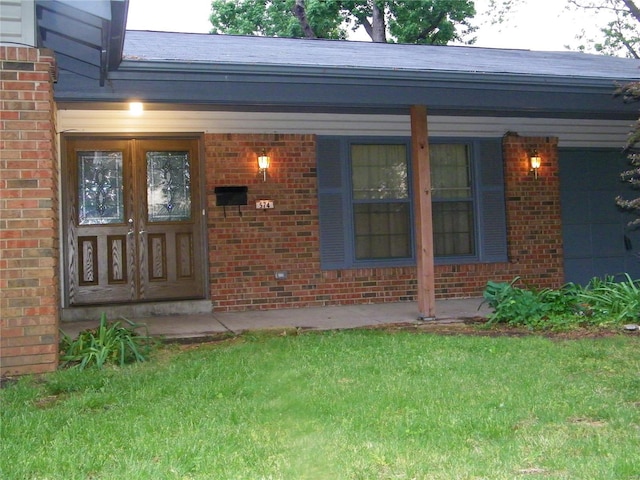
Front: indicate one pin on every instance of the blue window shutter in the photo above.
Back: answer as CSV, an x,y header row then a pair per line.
x,y
492,221
330,203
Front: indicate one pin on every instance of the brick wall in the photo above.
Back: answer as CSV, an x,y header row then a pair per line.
x,y
29,288
246,250
533,211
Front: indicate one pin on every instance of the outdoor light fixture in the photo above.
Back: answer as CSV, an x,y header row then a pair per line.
x,y
263,164
536,161
136,108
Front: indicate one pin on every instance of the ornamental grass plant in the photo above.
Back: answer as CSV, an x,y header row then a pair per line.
x,y
108,343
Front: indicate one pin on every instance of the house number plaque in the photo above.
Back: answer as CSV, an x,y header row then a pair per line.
x,y
264,204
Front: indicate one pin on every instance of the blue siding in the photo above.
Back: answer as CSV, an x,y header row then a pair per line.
x,y
593,228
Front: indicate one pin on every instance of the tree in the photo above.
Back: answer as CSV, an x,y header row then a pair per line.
x,y
620,30
631,93
621,34
404,21
278,18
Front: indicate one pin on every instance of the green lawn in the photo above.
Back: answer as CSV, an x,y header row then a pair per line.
x,y
337,405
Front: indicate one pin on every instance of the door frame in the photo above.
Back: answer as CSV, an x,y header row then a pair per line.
x,y
66,190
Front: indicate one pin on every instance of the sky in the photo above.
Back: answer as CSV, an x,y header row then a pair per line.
x,y
535,25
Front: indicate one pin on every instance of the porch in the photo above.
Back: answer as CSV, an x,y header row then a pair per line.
x,y
313,318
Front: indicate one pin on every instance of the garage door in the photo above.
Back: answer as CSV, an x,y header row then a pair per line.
x,y
596,239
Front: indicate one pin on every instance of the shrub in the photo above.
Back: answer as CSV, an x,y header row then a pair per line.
x,y
109,343
525,307
603,302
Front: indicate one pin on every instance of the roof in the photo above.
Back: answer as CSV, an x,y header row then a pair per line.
x,y
267,51
202,71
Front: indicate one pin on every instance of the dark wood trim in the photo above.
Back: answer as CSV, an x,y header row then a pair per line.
x,y
423,212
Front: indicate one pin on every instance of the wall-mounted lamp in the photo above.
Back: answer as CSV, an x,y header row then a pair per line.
x,y
536,161
263,164
136,108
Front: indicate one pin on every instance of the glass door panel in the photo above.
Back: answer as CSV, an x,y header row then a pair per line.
x,y
100,188
168,186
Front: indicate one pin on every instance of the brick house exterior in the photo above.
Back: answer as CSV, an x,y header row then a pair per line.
x,y
246,250
235,109
29,238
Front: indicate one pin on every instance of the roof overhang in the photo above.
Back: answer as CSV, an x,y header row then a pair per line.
x,y
86,35
286,88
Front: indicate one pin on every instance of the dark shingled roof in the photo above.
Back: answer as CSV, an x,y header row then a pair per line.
x,y
189,70
351,55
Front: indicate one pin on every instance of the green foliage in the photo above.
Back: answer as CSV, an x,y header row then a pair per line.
x,y
109,343
404,21
523,307
430,22
618,300
276,19
603,302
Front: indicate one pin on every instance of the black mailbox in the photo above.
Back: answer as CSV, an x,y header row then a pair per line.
x,y
233,195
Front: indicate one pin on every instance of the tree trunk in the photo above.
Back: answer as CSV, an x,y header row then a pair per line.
x,y
379,28
301,14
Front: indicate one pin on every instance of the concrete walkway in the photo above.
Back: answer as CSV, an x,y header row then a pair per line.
x,y
316,318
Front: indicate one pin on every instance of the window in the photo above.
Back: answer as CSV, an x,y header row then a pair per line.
x,y
453,218
381,204
365,201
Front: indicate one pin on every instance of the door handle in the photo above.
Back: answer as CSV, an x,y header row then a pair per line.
x,y
130,232
142,232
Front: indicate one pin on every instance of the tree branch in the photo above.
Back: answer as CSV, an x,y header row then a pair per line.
x,y
300,13
633,8
377,27
591,6
364,21
428,31
630,48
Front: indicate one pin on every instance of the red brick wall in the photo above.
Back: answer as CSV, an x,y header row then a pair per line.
x,y
29,243
246,250
533,211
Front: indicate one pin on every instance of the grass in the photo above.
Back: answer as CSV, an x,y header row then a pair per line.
x,y
337,405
